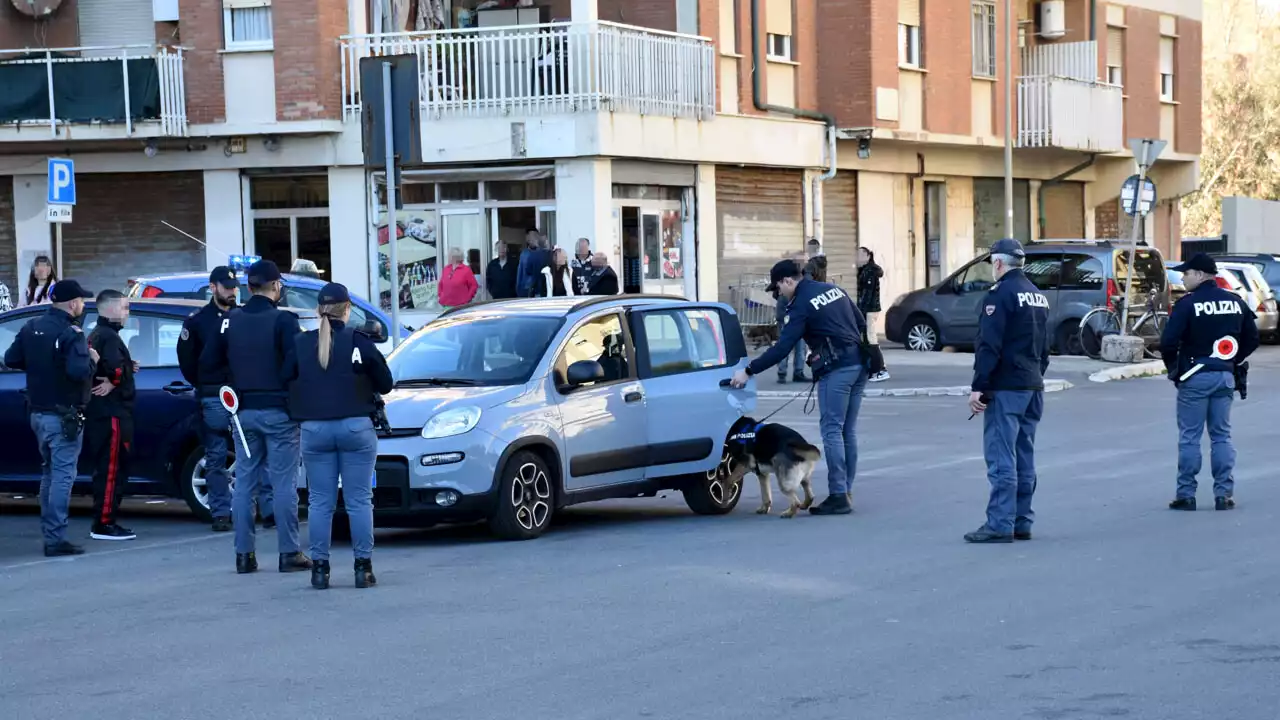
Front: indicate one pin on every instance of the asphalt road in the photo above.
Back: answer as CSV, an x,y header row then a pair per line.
x,y
637,609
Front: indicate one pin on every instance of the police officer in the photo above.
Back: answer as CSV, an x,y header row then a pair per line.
x,y
109,417
1009,363
334,374
59,364
252,343
826,319
1210,332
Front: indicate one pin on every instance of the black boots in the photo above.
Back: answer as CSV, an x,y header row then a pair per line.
x,y
294,562
985,535
1187,504
222,524
364,573
246,563
1224,502
320,575
833,505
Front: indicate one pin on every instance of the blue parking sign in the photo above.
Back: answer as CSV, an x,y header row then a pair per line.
x,y
62,181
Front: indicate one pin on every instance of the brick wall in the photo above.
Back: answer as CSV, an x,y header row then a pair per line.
x,y
110,225
308,64
709,26
857,51
948,56
1187,65
1141,73
1106,220
8,241
998,102
746,50
805,47
19,31
201,33
657,14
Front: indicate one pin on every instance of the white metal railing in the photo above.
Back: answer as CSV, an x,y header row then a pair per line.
x,y
1077,60
1064,113
546,69
171,100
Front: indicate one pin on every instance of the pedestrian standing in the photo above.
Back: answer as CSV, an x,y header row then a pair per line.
x,y
534,258
1209,334
555,280
1009,363
580,266
798,353
252,343
197,331
816,261
826,318
6,300
40,282
338,435
600,279
59,363
457,284
869,274
500,276
109,418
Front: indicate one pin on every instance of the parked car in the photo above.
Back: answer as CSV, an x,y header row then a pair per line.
x,y
1076,276
300,291
510,410
1266,263
1174,281
168,458
1258,294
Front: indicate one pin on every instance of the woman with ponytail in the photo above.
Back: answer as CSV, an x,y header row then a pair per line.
x,y
336,374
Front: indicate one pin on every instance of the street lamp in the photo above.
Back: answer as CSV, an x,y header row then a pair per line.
x,y
1010,31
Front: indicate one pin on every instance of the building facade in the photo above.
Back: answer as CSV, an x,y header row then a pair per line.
x,y
640,125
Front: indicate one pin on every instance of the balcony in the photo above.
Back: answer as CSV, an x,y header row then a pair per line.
x,y
542,70
100,93
1061,104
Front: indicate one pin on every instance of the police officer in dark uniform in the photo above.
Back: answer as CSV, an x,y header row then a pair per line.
x,y
825,318
1009,363
252,343
1210,333
59,363
335,372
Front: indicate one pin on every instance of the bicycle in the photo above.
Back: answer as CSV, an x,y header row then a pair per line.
x,y
1102,321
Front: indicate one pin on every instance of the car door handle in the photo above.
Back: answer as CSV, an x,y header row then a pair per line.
x,y
726,383
177,388
633,397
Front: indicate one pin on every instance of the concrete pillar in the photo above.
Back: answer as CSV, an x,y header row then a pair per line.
x,y
708,236
585,10
1036,217
223,216
31,230
584,207
350,234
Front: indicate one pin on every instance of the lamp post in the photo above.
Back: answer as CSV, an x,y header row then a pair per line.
x,y
1010,31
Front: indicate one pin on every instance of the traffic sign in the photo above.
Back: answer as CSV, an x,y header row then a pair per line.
x,y
62,181
58,214
1129,196
1146,150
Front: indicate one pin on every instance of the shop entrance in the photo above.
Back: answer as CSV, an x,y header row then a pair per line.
x,y
657,248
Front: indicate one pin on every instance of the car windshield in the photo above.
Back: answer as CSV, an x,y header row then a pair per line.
x,y
474,349
1151,272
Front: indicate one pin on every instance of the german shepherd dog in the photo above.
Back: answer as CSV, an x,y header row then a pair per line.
x,y
774,449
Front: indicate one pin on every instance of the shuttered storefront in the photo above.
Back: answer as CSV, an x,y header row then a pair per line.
x,y
840,227
1063,211
115,23
760,218
8,240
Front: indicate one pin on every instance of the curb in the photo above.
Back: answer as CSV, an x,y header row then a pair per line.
x,y
1129,372
954,391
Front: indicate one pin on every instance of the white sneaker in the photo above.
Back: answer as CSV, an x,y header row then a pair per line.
x,y
880,376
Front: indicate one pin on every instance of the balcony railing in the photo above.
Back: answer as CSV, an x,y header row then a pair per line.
x,y
1072,114
546,69
128,85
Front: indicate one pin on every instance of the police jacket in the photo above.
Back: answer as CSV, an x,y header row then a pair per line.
x,y
196,331
1012,351
53,351
346,388
252,342
115,365
1199,320
823,316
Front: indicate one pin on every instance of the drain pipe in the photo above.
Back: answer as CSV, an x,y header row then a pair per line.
x,y
757,99
1093,19
1057,180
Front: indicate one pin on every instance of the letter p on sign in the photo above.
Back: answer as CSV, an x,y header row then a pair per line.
x,y
62,181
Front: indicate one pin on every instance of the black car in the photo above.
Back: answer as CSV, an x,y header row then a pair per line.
x,y
168,458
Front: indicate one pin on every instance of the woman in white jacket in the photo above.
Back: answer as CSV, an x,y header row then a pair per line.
x,y
556,279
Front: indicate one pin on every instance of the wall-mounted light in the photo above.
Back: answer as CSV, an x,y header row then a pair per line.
x,y
864,148
271,143
151,149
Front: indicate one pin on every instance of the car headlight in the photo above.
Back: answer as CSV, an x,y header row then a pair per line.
x,y
451,422
898,302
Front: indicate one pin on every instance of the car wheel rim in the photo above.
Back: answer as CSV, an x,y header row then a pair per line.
x,y
531,496
723,484
921,337
200,482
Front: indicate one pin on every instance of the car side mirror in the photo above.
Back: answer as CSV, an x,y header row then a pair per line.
x,y
585,371
376,332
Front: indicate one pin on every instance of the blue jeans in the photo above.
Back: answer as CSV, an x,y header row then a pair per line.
x,y
1008,444
839,399
797,356
1205,398
273,458
58,459
346,449
218,440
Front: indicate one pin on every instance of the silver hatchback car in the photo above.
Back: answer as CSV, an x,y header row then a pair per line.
x,y
510,410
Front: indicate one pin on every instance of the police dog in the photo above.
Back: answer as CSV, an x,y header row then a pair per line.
x,y
774,449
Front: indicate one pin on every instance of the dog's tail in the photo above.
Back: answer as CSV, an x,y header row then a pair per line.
x,y
805,451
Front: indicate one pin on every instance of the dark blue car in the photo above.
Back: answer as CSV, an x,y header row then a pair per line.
x,y
168,458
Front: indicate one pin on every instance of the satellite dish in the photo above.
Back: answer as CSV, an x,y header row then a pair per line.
x,y
36,8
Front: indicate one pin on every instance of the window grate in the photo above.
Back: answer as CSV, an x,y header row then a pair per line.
x,y
984,39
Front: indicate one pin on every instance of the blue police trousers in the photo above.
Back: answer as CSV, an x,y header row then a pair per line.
x,y
797,354
1205,398
58,459
219,438
839,400
273,458
346,449
1008,445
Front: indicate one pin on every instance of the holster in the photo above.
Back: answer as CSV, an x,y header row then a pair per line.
x,y
379,416
1241,373
72,419
822,359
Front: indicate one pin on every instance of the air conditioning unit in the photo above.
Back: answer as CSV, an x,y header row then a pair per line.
x,y
37,8
1053,19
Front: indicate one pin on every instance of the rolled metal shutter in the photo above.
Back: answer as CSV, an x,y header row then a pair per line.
x,y
1063,211
112,23
840,228
9,272
760,218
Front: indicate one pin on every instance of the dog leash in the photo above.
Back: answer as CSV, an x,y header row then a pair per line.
x,y
808,403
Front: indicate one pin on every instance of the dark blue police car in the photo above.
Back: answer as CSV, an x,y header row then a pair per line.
x,y
168,458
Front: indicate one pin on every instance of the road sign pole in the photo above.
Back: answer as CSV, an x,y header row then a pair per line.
x,y
1145,153
57,247
392,232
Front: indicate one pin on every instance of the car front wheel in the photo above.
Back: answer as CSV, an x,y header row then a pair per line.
x,y
718,490
921,334
526,498
195,484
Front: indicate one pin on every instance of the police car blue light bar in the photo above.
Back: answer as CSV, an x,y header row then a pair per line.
x,y
242,262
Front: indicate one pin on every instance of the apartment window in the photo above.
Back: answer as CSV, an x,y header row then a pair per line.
x,y
984,39
246,24
908,45
779,47
1166,68
1115,56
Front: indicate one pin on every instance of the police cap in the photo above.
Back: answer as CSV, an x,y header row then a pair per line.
x,y
224,276
781,271
334,294
1201,262
263,272
68,290
1007,246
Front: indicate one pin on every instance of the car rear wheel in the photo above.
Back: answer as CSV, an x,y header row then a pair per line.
x,y
718,490
195,485
921,334
1068,340
526,498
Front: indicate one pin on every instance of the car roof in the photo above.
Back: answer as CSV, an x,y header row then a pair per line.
x,y
559,307
1267,257
170,306
289,279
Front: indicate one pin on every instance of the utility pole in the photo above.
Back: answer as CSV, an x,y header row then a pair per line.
x,y
1145,152
1010,32
392,240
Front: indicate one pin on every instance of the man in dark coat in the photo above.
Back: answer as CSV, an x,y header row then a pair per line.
x,y
500,276
598,278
